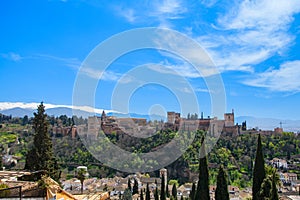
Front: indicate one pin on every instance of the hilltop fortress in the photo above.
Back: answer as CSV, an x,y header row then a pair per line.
x,y
114,125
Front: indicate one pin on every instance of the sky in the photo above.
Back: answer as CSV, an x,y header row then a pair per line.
x,y
254,46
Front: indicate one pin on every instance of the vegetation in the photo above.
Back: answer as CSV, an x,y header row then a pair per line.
x,y
236,154
193,192
202,192
81,175
174,192
41,157
162,190
222,185
135,189
259,173
147,192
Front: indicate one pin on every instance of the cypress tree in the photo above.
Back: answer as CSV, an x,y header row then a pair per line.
x,y
222,185
202,192
167,191
147,192
259,173
193,192
141,195
274,191
162,190
129,185
156,194
41,156
174,191
135,189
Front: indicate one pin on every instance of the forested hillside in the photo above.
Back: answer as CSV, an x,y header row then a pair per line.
x,y
235,153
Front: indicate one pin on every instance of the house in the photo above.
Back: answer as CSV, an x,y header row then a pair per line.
x,y
279,163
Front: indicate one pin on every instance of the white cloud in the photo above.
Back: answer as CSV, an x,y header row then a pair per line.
x,y
153,11
284,79
97,74
251,32
127,13
11,56
69,62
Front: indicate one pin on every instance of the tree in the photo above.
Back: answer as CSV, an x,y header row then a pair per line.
x,y
265,190
141,195
81,175
25,120
129,185
156,194
41,157
162,190
135,189
203,182
167,191
193,192
222,185
273,176
147,192
174,191
127,194
259,173
274,191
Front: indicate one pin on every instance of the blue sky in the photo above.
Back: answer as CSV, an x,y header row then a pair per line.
x,y
254,45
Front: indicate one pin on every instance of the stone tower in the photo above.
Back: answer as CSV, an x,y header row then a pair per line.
x,y
229,119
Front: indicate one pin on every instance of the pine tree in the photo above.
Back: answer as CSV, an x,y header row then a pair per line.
x,y
202,192
147,192
222,185
135,189
174,191
193,192
41,156
162,190
259,173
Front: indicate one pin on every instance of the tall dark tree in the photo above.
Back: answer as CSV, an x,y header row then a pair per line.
x,y
274,191
222,185
147,192
259,173
167,190
193,192
141,195
162,190
129,185
202,192
41,157
135,189
174,191
156,197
